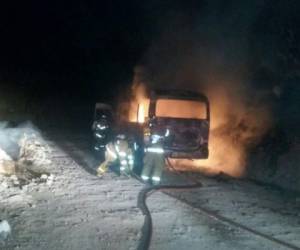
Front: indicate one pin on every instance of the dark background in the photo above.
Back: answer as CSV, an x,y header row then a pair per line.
x,y
58,54
71,48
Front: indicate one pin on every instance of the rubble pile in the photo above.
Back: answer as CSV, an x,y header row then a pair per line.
x,y
32,165
33,157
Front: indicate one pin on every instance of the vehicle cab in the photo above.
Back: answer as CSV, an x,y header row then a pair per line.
x,y
181,119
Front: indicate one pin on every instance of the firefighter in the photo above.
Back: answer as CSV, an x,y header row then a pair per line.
x,y
118,152
154,160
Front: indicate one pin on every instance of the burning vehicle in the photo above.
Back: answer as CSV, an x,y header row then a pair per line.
x,y
179,118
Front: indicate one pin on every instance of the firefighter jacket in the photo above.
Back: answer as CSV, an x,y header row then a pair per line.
x,y
154,161
117,152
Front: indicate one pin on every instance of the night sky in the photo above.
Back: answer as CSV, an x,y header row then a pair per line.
x,y
87,49
70,44
77,45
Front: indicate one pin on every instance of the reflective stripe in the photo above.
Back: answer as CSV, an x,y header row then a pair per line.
x,y
145,178
130,162
111,152
155,138
156,178
122,168
101,170
123,154
96,148
130,157
167,133
99,135
155,150
124,162
101,127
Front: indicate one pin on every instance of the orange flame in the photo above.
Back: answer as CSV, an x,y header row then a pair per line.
x,y
234,126
139,104
141,113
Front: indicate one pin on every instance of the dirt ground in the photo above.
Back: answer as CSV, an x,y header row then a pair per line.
x,y
76,210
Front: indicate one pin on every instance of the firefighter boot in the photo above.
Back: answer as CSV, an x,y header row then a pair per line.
x,y
158,166
102,169
148,165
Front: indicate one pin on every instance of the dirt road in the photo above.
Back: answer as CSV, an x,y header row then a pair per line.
x,y
77,210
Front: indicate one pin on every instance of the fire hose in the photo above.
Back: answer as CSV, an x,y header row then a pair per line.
x,y
147,228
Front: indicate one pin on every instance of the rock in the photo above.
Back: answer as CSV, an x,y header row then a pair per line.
x,y
44,177
33,161
7,168
4,184
51,177
5,229
49,183
33,164
14,178
50,180
32,169
7,165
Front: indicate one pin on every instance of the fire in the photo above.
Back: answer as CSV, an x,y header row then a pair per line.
x,y
139,104
141,113
234,127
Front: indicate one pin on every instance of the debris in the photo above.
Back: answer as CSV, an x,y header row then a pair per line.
x,y
44,177
14,180
33,160
33,150
32,165
5,230
7,165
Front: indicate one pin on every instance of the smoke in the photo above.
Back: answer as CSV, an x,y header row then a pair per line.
x,y
207,51
238,121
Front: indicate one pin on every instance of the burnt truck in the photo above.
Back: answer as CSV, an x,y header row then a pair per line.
x,y
181,118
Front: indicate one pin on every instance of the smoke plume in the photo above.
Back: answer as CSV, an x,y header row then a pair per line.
x,y
208,52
